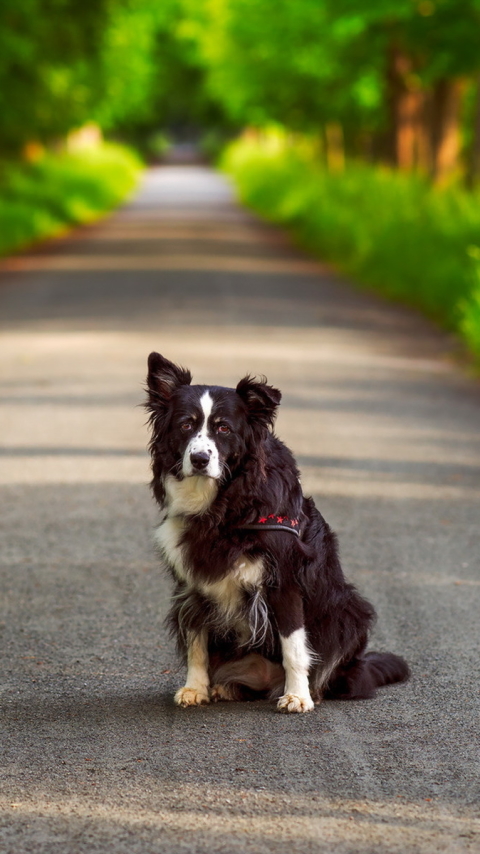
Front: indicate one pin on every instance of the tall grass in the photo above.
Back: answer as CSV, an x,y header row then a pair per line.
x,y
395,233
41,199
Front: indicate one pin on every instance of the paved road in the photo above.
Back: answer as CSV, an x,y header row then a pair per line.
x,y
387,431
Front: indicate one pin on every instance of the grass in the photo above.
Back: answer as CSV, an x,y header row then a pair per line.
x,y
42,199
392,232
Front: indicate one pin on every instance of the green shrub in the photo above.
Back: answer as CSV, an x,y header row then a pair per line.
x,y
392,232
41,199
469,308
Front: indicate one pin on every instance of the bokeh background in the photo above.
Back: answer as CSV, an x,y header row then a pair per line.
x,y
357,124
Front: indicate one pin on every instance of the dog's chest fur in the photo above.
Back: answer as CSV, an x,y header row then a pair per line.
x,y
193,496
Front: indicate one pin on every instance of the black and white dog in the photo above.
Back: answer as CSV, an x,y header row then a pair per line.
x,y
261,607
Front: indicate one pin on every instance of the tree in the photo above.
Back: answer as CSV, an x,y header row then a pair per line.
x,y
49,58
394,70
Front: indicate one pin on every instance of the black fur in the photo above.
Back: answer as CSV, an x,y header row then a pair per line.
x,y
303,584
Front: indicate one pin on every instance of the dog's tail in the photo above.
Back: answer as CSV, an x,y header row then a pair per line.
x,y
250,676
360,677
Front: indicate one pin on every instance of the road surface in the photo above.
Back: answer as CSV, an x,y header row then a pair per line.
x,y
386,429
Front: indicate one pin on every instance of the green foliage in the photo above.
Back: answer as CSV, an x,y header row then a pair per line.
x,y
469,308
392,232
138,66
272,62
120,63
304,63
49,62
346,71
127,83
41,199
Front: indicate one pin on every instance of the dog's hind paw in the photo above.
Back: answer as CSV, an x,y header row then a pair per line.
x,y
292,703
191,697
221,692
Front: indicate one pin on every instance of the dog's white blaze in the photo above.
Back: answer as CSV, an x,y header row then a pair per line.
x,y
296,663
190,496
202,443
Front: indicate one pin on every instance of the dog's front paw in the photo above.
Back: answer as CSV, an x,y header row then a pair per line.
x,y
293,703
191,697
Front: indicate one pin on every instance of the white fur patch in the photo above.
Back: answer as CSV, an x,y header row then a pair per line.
x,y
167,538
202,443
228,595
190,496
227,592
296,663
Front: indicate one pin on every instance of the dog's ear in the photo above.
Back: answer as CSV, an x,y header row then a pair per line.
x,y
163,378
260,399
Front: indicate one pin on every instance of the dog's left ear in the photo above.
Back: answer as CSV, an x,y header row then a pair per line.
x,y
260,399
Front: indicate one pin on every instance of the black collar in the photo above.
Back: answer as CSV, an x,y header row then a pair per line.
x,y
273,523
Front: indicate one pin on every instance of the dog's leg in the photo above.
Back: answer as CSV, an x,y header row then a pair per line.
x,y
288,610
195,692
296,663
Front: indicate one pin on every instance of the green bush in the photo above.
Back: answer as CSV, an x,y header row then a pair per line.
x,y
41,199
394,233
469,308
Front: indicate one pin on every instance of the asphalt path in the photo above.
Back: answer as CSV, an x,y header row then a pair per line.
x,y
386,429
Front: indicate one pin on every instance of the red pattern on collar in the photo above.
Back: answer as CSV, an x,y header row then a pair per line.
x,y
279,520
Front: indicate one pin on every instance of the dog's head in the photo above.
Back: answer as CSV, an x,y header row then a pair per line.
x,y
204,430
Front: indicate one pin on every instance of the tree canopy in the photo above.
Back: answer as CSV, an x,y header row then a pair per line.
x,y
396,78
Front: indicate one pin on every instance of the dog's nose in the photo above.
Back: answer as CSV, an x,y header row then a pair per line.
x,y
200,460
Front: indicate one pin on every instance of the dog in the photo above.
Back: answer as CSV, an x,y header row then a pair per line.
x,y
261,608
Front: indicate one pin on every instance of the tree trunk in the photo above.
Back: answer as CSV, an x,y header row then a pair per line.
x,y
334,147
424,149
407,105
448,96
411,147
474,159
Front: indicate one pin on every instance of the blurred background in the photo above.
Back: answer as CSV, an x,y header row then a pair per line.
x,y
356,124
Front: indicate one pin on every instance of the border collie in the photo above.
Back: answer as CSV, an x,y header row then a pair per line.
x,y
261,607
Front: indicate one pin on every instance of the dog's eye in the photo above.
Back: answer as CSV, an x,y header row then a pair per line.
x,y
186,426
224,429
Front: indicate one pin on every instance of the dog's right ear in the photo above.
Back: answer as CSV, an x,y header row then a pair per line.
x,y
163,378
